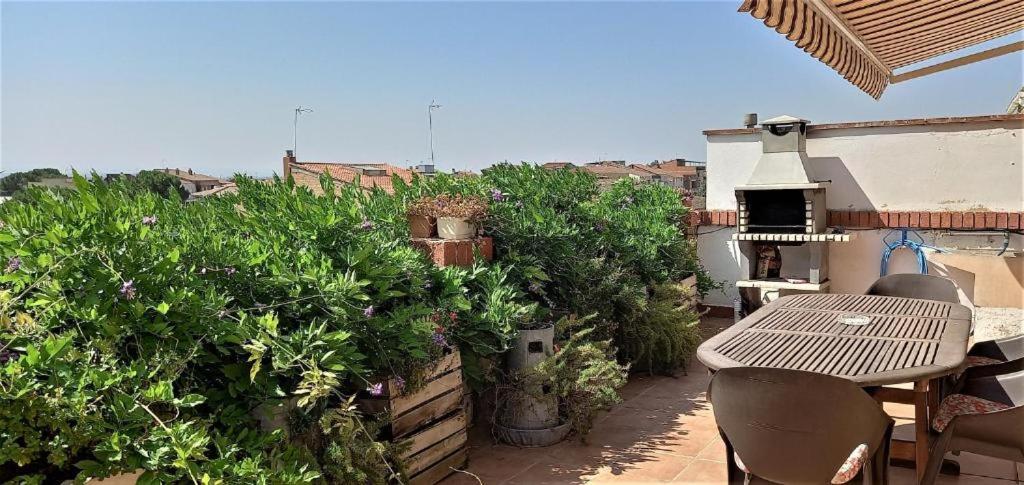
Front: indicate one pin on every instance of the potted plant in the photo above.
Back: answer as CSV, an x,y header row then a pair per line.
x,y
544,397
421,218
457,215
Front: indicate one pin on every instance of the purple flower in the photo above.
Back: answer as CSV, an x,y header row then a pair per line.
x,y
599,227
497,196
439,340
399,383
128,290
7,356
368,311
13,264
376,389
230,270
366,225
149,220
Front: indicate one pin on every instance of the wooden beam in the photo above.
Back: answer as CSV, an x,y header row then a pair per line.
x,y
958,62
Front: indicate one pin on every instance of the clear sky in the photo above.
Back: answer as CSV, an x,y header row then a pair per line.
x,y
212,86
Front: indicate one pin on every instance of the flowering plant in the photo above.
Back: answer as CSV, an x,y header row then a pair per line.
x,y
470,208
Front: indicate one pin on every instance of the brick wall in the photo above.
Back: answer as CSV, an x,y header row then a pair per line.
x,y
985,220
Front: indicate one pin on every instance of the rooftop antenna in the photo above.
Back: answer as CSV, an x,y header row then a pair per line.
x,y
430,126
295,130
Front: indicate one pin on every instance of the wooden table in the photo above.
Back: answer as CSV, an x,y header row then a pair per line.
x,y
905,341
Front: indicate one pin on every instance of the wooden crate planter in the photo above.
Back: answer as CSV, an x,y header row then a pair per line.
x,y
432,421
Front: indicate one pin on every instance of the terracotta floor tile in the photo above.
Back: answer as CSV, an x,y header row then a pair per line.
x,y
985,466
714,451
703,472
659,471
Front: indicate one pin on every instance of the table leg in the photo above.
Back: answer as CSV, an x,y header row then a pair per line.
x,y
921,399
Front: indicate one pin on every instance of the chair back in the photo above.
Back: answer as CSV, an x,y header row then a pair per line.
x,y
792,426
912,285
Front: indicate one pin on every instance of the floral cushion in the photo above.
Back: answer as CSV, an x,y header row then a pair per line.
x,y
960,404
975,361
850,467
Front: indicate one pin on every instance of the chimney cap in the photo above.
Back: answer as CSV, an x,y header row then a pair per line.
x,y
289,153
784,120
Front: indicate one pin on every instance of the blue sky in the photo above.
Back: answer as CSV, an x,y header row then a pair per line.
x,y
127,86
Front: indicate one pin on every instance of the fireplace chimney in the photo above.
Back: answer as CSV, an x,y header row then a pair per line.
x,y
784,153
287,161
750,120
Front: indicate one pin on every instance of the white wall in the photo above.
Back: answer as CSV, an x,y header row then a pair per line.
x,y
970,166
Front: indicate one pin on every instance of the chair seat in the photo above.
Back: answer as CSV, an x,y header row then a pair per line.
x,y
846,472
961,404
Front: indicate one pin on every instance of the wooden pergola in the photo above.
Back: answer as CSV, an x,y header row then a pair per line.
x,y
867,40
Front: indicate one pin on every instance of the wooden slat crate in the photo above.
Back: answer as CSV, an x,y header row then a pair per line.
x,y
432,421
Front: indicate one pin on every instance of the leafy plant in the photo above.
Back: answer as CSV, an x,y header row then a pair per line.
x,y
663,336
465,207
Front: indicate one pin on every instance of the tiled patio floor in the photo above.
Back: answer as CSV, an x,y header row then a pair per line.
x,y
663,431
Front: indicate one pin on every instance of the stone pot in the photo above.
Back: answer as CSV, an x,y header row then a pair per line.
x,y
421,226
530,409
531,438
455,228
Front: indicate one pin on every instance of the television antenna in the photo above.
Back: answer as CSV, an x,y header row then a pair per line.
x,y
430,126
295,130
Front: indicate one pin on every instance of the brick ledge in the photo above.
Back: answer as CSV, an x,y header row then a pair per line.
x,y
968,220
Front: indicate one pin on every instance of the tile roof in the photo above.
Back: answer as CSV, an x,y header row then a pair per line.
x,y
613,169
347,172
670,170
187,174
228,188
558,165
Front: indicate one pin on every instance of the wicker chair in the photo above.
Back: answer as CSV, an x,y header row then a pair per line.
x,y
790,426
997,431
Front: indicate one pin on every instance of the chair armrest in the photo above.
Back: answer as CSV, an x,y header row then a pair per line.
x,y
1005,388
987,370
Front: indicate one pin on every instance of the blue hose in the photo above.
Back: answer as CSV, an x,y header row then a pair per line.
x,y
917,247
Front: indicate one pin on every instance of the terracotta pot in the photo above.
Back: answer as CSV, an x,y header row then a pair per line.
x,y
455,228
421,226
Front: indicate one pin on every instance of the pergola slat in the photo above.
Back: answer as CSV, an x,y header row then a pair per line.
x,y
865,40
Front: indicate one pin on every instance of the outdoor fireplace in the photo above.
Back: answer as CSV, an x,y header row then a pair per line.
x,y
781,213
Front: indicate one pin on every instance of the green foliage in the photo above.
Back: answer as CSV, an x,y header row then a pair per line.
x,y
160,183
12,183
664,336
138,331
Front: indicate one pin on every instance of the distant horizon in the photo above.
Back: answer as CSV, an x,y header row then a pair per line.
x,y
123,87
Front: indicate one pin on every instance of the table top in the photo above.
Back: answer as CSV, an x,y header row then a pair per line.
x,y
904,340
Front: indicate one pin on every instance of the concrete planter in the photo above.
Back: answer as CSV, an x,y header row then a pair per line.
x,y
530,416
455,228
421,226
531,438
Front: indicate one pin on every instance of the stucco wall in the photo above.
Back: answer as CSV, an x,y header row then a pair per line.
x,y
948,167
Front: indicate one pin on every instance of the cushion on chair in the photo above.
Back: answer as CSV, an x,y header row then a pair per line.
x,y
977,361
846,472
960,404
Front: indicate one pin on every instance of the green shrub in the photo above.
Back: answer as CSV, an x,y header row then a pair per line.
x,y
663,336
139,332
